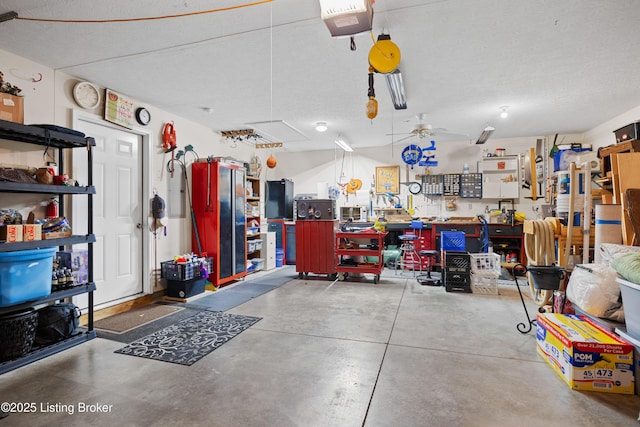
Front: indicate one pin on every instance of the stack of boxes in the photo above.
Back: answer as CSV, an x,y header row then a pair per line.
x,y
457,264
184,276
485,270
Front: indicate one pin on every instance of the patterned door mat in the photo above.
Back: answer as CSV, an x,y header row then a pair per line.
x,y
191,339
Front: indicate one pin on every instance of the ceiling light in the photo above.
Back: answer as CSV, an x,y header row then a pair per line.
x,y
340,142
503,112
346,18
321,126
486,133
396,89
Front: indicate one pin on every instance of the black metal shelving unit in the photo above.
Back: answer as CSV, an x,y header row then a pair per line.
x,y
56,138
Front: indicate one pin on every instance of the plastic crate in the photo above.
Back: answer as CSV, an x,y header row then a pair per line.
x,y
185,288
484,284
486,264
453,241
171,270
457,282
457,261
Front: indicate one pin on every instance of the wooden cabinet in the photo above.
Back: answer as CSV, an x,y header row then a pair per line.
x,y
268,251
253,207
10,131
500,177
508,240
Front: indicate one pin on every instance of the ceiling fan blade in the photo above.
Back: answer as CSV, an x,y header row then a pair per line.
x,y
399,133
454,133
402,139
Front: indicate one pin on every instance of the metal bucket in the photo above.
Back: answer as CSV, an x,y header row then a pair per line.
x,y
547,277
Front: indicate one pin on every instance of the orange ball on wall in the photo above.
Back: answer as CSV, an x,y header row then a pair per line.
x,y
271,162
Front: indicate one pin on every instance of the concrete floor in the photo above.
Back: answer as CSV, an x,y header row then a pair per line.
x,y
329,354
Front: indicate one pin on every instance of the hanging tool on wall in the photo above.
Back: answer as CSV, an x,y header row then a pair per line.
x,y
372,103
169,137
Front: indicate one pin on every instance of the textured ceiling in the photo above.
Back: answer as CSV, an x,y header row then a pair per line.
x,y
562,66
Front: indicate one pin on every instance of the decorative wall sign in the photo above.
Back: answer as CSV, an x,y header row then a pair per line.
x,y
388,179
411,154
118,109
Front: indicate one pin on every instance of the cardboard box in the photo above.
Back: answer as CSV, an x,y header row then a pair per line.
x,y
11,233
56,234
636,354
78,261
11,108
32,232
584,355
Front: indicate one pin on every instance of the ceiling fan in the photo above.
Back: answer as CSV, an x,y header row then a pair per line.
x,y
422,131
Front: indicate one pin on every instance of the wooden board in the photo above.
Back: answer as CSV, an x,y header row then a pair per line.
x,y
626,175
632,198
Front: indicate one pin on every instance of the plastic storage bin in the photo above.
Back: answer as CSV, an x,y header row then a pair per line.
x,y
258,263
631,301
279,257
184,270
25,275
185,288
453,241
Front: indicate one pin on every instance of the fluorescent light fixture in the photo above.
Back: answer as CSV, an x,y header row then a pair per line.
x,y
396,89
346,17
321,126
486,133
340,142
503,112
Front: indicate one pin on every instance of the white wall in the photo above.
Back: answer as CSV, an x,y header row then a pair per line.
x,y
50,101
306,169
602,135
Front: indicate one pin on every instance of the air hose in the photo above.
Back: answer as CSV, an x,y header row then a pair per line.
x,y
541,251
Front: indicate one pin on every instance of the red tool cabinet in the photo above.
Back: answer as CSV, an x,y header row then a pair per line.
x,y
218,199
315,247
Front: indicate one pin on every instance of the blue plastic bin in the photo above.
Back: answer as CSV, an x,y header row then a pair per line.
x,y
25,275
453,241
279,257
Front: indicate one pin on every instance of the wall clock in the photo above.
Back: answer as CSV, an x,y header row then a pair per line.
x,y
415,188
86,95
143,116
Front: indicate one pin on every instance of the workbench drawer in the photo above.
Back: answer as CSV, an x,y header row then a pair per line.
x,y
505,230
466,229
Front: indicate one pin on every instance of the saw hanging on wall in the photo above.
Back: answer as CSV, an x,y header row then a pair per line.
x,y
169,137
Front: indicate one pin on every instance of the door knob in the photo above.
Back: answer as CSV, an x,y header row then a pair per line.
x,y
139,226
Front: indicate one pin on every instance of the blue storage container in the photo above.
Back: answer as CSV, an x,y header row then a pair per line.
x,y
453,241
25,275
279,257
561,158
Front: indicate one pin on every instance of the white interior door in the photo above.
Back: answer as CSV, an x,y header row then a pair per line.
x,y
117,211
